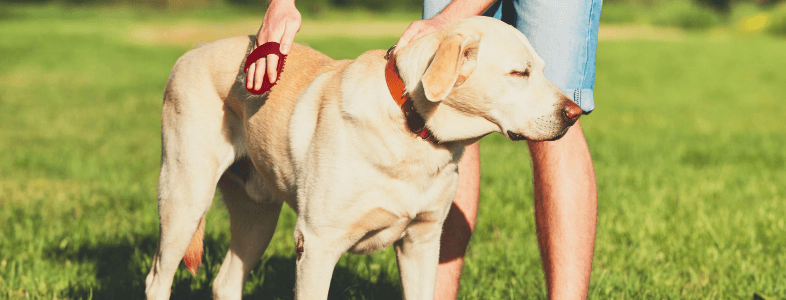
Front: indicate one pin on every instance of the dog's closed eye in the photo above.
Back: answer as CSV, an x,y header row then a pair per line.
x,y
524,73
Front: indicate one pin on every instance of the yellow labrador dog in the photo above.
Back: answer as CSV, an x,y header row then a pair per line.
x,y
331,141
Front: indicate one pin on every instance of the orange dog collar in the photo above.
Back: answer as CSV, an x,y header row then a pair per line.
x,y
415,121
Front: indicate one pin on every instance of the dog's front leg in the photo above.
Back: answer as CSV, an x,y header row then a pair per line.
x,y
418,257
316,258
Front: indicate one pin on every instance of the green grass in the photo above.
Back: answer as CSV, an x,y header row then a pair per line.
x,y
687,140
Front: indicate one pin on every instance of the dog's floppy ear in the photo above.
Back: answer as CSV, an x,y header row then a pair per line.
x,y
456,55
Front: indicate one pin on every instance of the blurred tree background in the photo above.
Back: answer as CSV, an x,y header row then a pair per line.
x,y
742,15
719,6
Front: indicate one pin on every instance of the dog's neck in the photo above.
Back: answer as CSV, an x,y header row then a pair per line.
x,y
415,121
442,117
377,125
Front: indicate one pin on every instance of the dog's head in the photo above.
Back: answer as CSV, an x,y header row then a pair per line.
x,y
480,75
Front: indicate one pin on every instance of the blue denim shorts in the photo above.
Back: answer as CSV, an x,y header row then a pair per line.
x,y
563,32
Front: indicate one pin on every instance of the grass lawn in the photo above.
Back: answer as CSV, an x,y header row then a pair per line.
x,y
687,139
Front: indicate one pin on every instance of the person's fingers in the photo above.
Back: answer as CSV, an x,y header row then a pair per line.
x,y
420,34
273,35
292,27
280,25
272,60
259,74
250,76
417,30
256,71
411,31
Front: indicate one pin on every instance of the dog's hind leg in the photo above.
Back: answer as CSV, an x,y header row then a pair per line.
x,y
253,214
197,147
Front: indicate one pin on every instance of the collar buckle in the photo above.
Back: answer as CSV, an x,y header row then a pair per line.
x,y
390,51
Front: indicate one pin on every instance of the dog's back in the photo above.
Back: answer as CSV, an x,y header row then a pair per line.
x,y
212,75
266,118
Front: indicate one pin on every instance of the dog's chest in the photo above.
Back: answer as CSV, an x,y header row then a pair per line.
x,y
399,210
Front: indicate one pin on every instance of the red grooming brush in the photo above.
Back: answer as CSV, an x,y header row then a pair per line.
x,y
260,52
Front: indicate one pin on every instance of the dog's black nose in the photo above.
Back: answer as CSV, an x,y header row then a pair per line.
x,y
571,113
515,136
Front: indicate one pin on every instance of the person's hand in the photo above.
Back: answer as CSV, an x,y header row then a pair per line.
x,y
281,23
418,29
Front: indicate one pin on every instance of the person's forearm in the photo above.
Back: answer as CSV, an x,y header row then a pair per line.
x,y
459,9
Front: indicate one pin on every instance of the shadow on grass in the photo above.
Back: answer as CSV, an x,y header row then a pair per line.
x,y
121,268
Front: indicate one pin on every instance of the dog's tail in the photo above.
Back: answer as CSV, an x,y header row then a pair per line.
x,y
193,257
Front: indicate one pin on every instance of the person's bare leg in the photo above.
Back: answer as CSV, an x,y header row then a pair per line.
x,y
459,225
565,212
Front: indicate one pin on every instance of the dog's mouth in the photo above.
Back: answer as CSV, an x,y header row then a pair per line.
x,y
515,136
518,137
